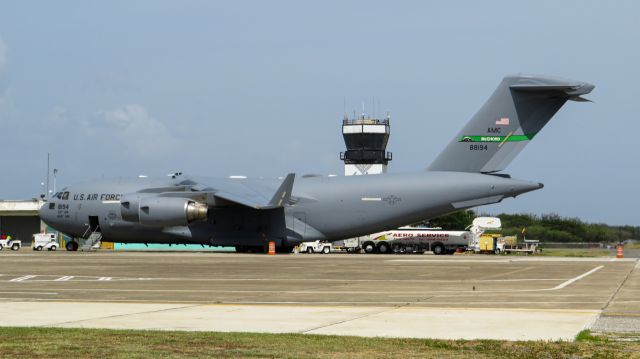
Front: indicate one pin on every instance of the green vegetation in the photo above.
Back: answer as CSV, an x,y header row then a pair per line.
x,y
586,336
546,228
103,343
575,252
632,246
454,221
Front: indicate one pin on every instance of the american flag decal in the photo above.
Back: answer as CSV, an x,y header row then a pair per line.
x,y
503,121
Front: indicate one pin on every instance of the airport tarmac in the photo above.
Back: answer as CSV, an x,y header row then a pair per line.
x,y
420,296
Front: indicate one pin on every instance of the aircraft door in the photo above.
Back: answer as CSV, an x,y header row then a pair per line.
x,y
94,224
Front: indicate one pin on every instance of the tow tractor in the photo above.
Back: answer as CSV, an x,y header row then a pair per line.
x,y
315,247
8,242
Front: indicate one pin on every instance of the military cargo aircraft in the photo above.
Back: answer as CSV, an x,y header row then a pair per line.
x,y
246,213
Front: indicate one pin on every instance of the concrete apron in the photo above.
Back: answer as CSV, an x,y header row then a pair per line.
x,y
402,321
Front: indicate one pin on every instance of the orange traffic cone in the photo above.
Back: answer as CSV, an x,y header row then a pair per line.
x,y
619,251
272,248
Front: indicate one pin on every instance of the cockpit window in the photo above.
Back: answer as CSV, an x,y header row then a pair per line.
x,y
65,196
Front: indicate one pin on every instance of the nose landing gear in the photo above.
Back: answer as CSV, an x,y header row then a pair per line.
x,y
71,246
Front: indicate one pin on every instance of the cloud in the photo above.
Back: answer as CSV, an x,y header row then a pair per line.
x,y
138,130
58,116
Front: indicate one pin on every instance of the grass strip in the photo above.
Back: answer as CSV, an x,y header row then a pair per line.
x,y
105,343
575,252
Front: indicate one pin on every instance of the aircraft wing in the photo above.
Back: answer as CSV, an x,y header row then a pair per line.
x,y
245,192
257,197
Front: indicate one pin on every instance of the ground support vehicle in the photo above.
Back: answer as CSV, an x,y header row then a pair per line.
x,y
490,244
14,244
315,247
420,240
48,241
485,243
351,245
495,243
413,240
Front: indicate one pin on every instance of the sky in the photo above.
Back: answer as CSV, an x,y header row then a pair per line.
x,y
256,88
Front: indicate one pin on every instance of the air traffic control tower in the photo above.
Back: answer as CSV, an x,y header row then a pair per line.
x,y
366,139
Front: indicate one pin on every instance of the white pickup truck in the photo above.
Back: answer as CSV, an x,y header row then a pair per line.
x,y
48,241
315,247
14,244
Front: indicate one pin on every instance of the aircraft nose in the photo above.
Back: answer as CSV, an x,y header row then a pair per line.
x,y
44,212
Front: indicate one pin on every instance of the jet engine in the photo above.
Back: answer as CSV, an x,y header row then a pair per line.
x,y
162,211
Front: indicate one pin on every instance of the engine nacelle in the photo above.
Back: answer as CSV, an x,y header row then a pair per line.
x,y
162,211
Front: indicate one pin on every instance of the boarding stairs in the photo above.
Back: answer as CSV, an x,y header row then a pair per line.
x,y
92,242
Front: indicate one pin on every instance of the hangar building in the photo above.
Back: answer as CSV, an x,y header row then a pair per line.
x,y
19,219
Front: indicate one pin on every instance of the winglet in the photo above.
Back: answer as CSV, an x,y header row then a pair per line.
x,y
283,194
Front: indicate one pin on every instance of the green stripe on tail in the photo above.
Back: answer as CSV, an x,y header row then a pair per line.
x,y
498,139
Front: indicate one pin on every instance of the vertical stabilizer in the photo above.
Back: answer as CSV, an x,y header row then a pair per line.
x,y
513,115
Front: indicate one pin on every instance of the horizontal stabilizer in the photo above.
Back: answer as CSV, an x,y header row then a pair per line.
x,y
571,91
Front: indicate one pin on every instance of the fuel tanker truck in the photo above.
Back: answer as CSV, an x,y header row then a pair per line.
x,y
411,240
421,239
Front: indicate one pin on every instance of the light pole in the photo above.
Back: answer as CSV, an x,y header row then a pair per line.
x,y
46,192
55,172
43,193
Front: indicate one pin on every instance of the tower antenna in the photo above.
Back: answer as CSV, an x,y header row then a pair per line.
x,y
344,106
47,188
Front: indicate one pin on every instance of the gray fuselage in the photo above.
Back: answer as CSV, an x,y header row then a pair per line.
x,y
321,208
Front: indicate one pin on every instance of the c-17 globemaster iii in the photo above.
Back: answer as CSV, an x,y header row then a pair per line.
x,y
246,213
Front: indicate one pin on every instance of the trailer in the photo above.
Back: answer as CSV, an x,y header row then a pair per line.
x,y
530,246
